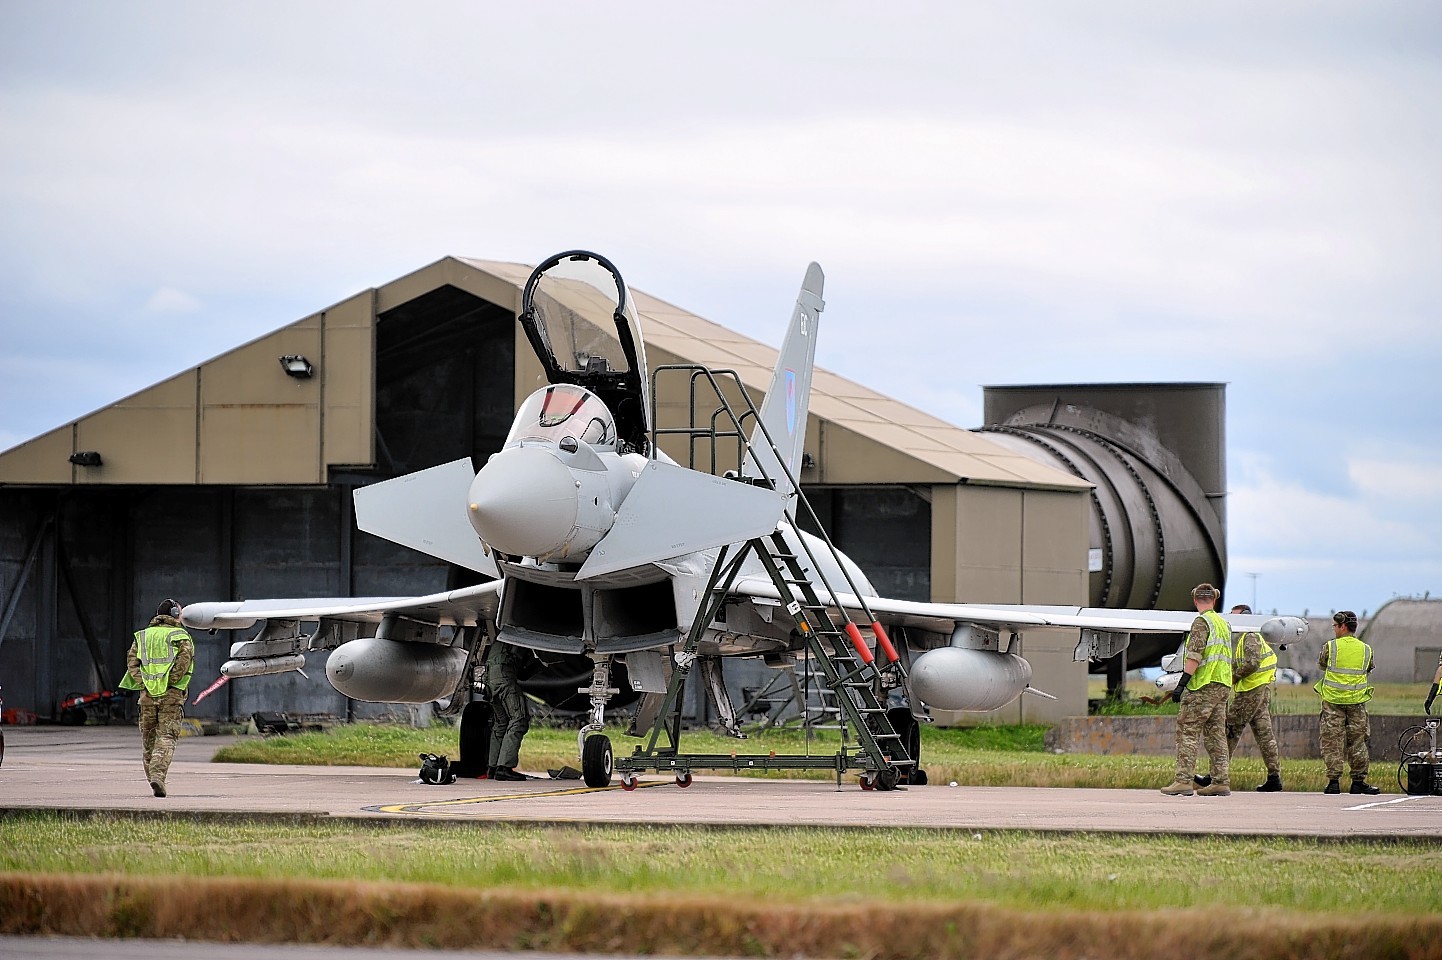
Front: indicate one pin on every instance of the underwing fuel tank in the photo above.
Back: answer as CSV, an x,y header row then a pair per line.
x,y
956,678
392,671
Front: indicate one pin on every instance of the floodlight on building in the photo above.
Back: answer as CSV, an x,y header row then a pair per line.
x,y
297,366
86,458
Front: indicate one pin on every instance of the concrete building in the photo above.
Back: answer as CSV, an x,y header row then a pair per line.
x,y
233,480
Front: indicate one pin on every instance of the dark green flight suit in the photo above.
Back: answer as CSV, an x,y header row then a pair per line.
x,y
511,717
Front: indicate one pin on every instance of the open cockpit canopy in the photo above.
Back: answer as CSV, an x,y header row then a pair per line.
x,y
580,321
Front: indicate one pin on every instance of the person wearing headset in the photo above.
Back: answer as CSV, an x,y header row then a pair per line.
x,y
159,665
1345,662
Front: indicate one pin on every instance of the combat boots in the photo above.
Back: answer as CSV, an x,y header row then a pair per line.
x,y
1179,788
1214,789
1273,784
1363,787
1333,787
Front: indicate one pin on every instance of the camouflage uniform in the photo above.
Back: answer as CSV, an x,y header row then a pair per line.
x,y
1202,718
1252,708
1202,721
1345,732
1346,729
160,716
511,716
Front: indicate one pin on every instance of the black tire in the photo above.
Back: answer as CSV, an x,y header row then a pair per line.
x,y
475,739
596,761
910,732
72,718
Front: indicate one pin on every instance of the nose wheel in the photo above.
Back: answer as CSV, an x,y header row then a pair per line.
x,y
596,761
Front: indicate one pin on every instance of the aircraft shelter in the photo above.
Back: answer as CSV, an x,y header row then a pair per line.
x,y
233,479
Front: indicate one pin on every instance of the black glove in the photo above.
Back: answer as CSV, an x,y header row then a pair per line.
x,y
1182,686
1431,695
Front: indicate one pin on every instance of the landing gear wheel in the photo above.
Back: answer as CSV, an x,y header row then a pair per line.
x,y
683,780
628,781
887,779
475,739
919,778
596,761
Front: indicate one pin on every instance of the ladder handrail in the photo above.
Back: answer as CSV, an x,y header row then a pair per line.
x,y
698,371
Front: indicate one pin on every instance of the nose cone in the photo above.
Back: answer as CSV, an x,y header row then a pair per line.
x,y
523,502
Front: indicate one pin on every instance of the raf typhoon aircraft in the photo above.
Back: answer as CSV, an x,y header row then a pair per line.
x,y
596,543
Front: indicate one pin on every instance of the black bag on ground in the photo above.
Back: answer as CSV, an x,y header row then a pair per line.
x,y
436,769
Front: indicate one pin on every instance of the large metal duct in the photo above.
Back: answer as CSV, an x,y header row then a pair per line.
x,y
1155,532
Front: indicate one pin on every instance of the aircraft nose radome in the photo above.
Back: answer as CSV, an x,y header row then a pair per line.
x,y
523,502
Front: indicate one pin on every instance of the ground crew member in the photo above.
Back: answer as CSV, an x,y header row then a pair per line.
x,y
159,665
1254,668
1345,662
1432,694
1201,694
510,714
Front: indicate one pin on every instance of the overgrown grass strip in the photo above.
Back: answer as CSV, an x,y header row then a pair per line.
x,y
425,915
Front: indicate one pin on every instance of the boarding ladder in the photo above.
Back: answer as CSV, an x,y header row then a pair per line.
x,y
853,674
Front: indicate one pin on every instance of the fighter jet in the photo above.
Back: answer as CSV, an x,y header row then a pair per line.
x,y
596,543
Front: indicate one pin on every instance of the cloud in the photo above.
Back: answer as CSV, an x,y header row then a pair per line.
x,y
170,300
1379,536
1038,193
1401,484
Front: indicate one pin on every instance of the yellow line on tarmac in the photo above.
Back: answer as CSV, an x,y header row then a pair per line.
x,y
439,805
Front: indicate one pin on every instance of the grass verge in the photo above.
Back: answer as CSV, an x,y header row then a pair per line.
x,y
1288,699
776,892
995,756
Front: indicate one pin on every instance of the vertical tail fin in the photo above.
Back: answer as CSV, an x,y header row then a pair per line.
x,y
789,396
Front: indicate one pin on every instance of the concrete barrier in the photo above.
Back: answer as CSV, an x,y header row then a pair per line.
x,y
1298,737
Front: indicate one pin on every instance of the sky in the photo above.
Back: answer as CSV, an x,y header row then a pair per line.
x,y
999,193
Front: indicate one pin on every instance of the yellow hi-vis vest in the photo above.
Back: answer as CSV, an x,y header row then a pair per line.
x,y
1266,670
1346,678
155,646
1216,665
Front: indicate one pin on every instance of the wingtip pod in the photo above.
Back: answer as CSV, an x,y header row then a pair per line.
x,y
202,616
1280,631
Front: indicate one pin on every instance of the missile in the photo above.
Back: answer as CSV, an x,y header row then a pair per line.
x,y
261,666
